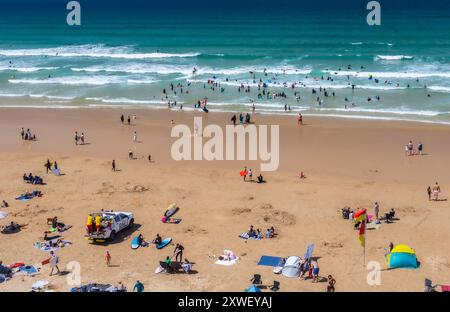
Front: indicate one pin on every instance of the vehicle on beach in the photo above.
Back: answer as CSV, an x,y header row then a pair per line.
x,y
111,224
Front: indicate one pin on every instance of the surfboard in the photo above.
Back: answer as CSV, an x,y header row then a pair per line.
x,y
135,243
46,261
171,210
164,243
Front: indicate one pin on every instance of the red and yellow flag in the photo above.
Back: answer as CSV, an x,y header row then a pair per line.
x,y
362,233
360,216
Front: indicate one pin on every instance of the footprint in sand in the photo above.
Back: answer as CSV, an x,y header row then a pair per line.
x,y
239,211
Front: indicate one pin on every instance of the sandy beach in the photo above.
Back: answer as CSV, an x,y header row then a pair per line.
x,y
347,162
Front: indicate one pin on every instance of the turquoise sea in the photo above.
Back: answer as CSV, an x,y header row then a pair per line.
x,y
125,55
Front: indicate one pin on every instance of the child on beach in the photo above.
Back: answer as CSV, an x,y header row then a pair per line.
x,y
436,191
250,174
331,283
108,258
54,262
300,120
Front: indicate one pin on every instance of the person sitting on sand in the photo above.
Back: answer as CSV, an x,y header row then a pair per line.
x,y
142,241
4,204
261,179
269,234
157,240
259,234
130,155
251,232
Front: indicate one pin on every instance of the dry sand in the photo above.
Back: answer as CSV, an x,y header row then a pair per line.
x,y
347,163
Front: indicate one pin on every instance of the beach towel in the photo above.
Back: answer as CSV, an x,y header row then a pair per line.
x,y
56,171
445,288
373,226
227,262
3,214
246,236
39,285
269,261
28,269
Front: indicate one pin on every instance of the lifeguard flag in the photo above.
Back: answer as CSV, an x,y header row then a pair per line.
x,y
362,233
360,216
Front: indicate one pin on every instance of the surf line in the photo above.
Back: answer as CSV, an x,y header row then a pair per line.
x,y
235,136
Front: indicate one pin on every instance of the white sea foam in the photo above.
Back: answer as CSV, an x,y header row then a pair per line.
x,y
394,57
82,80
95,51
26,69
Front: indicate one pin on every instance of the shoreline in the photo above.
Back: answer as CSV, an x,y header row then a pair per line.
x,y
293,114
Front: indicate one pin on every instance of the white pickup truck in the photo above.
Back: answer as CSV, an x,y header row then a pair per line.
x,y
112,223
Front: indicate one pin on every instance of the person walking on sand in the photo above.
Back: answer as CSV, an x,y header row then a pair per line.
x,y
244,173
122,119
250,174
108,258
22,133
82,138
54,262
436,191
376,210
135,136
178,252
76,137
129,120
113,165
331,283
48,166
429,192
420,149
138,287
300,119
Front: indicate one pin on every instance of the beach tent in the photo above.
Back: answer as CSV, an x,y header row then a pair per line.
x,y
253,288
402,256
291,267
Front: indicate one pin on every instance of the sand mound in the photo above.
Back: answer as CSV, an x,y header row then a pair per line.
x,y
265,206
332,244
279,217
136,189
194,230
238,211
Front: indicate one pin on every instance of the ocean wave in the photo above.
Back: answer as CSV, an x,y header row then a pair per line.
x,y
439,89
82,81
127,101
38,96
94,51
399,75
26,69
393,57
